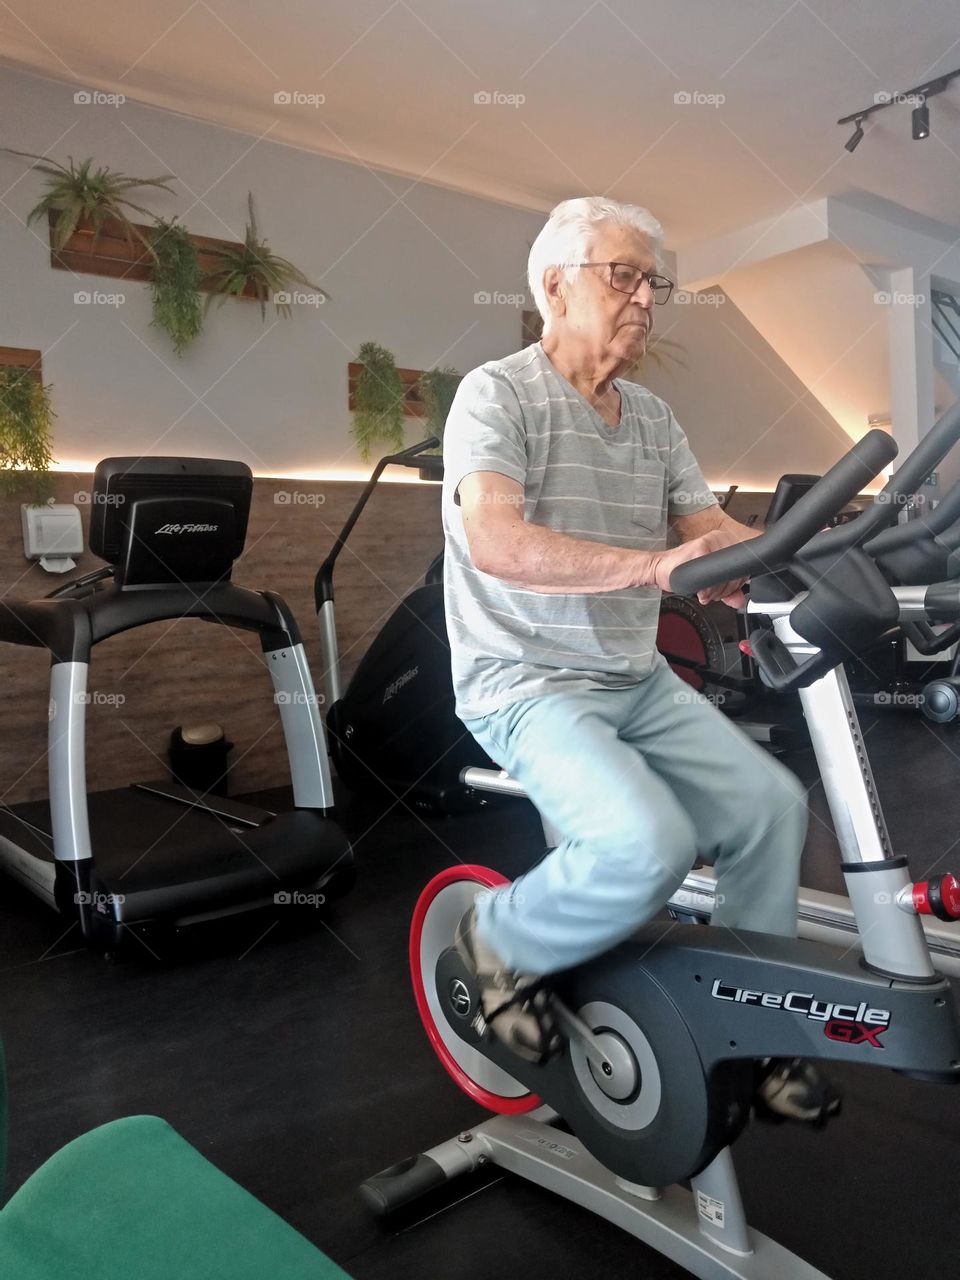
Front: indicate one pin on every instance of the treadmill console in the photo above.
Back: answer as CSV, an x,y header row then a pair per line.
x,y
161,521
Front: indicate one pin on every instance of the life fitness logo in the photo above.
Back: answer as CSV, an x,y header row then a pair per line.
x,y
848,1023
187,528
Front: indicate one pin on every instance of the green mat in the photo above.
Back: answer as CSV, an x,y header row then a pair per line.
x,y
133,1201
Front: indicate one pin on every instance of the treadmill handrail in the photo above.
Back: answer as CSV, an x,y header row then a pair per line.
x,y
70,627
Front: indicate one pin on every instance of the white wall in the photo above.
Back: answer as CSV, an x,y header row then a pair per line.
x,y
273,394
747,415
403,274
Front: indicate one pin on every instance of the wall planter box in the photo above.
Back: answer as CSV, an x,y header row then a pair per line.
x,y
23,358
112,254
413,406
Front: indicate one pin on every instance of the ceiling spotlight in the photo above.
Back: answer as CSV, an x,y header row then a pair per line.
x,y
918,97
921,121
856,137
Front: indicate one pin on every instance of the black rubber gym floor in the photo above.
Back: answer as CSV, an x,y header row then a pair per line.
x,y
297,1064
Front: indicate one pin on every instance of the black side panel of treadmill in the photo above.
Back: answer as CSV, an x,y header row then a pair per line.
x,y
219,868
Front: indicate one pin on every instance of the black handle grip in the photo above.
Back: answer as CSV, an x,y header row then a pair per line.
x,y
780,670
777,547
405,457
941,602
392,1188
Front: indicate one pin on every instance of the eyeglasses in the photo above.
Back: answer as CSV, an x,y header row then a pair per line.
x,y
627,279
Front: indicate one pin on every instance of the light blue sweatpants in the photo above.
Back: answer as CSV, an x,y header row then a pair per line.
x,y
644,783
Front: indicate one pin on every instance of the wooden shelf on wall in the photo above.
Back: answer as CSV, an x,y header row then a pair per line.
x,y
23,358
112,254
413,406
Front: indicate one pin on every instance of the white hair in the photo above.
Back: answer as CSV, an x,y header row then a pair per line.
x,y
566,237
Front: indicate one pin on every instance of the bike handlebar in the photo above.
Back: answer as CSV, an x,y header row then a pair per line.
x,y
779,545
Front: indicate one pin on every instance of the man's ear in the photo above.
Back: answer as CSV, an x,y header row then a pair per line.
x,y
555,287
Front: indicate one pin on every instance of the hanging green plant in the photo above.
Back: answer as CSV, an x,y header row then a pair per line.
x,y
436,388
26,421
378,415
253,268
175,280
79,193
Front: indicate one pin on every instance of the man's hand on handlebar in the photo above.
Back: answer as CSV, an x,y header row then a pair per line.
x,y
666,561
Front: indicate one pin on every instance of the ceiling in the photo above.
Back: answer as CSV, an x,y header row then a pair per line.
x,y
598,81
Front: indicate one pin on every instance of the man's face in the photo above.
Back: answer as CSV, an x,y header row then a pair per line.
x,y
607,321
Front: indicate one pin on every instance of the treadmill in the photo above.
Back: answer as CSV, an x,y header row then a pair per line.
x,y
157,858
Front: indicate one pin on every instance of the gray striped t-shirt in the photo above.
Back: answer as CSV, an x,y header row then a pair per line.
x,y
521,418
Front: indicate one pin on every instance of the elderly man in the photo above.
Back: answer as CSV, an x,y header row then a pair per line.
x,y
560,482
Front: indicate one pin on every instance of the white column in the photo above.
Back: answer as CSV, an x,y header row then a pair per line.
x,y
910,338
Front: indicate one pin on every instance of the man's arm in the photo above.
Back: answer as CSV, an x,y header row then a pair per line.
x,y
531,556
714,520
710,519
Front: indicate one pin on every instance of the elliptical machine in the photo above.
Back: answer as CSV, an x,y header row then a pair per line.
x,y
393,729
655,1081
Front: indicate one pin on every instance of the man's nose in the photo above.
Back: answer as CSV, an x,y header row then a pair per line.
x,y
643,294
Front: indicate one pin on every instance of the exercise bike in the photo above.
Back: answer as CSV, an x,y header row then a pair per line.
x,y
655,1081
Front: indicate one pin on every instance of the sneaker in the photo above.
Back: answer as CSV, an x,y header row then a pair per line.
x,y
793,1089
515,1007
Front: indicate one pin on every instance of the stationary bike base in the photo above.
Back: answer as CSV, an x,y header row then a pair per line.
x,y
702,1230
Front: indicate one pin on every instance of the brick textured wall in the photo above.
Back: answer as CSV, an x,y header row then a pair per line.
x,y
168,673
